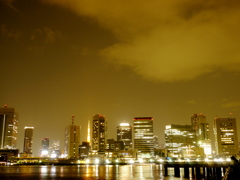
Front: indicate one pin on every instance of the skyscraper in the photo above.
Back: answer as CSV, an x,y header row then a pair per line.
x,y
55,149
201,128
72,140
226,138
45,147
180,141
99,133
143,136
8,128
28,141
124,133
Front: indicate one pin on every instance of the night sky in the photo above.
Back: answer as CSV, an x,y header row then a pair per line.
x,y
122,59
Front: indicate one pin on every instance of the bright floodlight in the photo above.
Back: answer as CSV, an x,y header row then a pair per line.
x,y
96,161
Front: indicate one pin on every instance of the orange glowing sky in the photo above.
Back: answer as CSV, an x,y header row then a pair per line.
x,y
122,59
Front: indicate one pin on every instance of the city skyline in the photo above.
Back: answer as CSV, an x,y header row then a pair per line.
x,y
166,60
62,143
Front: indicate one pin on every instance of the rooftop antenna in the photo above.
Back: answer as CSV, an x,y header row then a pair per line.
x,y
73,119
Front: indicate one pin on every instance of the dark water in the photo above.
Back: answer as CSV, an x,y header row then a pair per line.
x,y
120,172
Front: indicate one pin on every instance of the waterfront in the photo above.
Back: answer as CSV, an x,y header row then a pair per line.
x,y
91,172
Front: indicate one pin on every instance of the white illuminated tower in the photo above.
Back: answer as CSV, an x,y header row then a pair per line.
x,y
8,128
28,141
72,140
143,136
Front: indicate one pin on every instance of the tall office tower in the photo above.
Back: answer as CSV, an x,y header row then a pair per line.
x,y
124,133
55,149
180,141
201,127
143,136
45,147
226,138
55,145
99,133
72,140
155,142
28,141
8,128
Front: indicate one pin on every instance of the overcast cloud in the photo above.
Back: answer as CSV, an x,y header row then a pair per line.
x,y
168,40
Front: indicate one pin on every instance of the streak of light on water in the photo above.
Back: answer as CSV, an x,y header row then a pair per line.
x,y
98,172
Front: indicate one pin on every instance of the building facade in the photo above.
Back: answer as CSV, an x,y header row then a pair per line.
x,y
84,150
45,147
143,136
202,132
55,149
226,138
124,133
28,141
72,141
8,128
180,141
99,133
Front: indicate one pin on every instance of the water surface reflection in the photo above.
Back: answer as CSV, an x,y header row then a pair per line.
x,y
120,172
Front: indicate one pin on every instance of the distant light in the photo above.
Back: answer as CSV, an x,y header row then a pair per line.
x,y
131,161
96,161
53,155
26,127
124,124
44,152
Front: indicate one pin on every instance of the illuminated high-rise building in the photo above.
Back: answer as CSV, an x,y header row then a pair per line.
x,y
201,128
180,141
124,133
28,141
143,136
55,149
226,138
99,133
8,128
72,140
45,147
